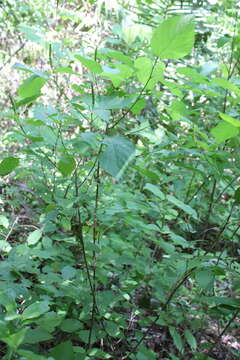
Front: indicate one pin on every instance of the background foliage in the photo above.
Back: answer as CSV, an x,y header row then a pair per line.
x,y
119,180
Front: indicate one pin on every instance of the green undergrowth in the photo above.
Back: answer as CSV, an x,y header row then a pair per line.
x,y
119,227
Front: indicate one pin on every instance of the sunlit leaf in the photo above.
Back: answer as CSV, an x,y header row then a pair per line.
x,y
8,164
34,237
90,64
116,155
174,38
224,131
31,86
35,310
66,165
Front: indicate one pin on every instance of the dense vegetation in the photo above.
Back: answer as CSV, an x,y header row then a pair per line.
x,y
119,180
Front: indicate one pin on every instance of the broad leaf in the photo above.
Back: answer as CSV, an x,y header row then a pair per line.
x,y
7,165
66,165
63,351
68,272
117,154
176,338
90,64
174,38
16,339
29,355
144,68
230,119
35,336
118,73
28,69
155,190
34,237
186,208
70,325
65,70
35,310
205,278
31,86
190,339
119,56
224,131
4,221
227,85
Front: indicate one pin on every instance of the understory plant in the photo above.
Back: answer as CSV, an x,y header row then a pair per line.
x,y
120,221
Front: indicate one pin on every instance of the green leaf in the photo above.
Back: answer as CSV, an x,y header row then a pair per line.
x,y
99,354
224,131
63,351
29,355
65,70
174,38
35,336
49,135
118,73
139,106
35,310
28,69
186,208
7,165
155,190
176,338
90,64
227,85
148,173
190,339
144,67
31,86
192,74
230,119
145,354
68,272
119,56
237,196
205,278
115,157
66,165
4,221
27,100
70,325
130,33
34,237
14,340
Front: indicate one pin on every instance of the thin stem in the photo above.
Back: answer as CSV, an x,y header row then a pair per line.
x,y
211,200
138,97
176,286
189,187
214,243
95,237
226,187
221,334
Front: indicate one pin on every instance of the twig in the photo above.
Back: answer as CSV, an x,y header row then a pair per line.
x,y
11,229
222,333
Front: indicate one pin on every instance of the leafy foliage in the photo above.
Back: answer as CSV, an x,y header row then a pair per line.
x,y
119,226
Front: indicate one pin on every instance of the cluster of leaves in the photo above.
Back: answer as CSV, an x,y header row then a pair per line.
x,y
131,189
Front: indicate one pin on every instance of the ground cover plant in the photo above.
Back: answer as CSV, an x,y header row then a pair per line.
x,y
119,181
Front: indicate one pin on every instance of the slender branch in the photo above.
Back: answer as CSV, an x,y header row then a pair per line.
x,y
226,187
176,286
221,334
214,243
95,236
11,229
138,97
